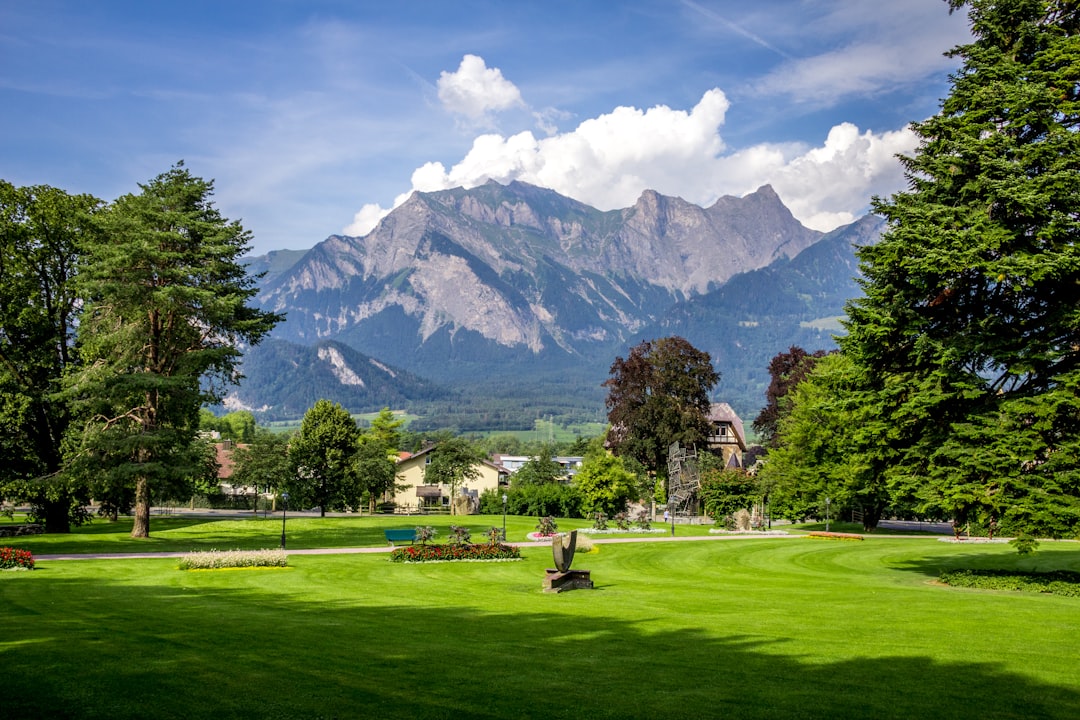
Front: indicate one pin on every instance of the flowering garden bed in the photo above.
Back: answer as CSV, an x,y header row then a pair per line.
x,y
14,559
222,560
454,552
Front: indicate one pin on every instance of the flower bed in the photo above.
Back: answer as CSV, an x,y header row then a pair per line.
x,y
14,559
437,553
224,559
834,536
627,531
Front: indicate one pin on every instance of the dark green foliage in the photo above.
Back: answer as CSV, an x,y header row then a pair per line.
x,y
322,460
554,499
165,313
1057,582
264,462
41,233
725,492
540,469
969,331
786,371
453,461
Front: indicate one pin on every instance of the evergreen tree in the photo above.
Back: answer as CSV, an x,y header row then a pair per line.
x,y
970,324
164,316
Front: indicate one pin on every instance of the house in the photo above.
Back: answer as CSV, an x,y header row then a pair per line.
x,y
569,464
726,437
413,494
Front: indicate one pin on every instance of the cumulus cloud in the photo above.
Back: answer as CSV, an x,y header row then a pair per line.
x,y
475,90
609,160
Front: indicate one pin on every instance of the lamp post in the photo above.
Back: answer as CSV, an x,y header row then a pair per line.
x,y
284,507
827,501
504,517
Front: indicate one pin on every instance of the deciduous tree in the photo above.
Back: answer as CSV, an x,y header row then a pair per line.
x,y
41,229
786,371
453,462
322,457
604,483
659,395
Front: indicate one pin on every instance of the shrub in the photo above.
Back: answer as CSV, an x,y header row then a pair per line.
x,y
1024,544
15,559
546,525
622,521
423,534
435,553
219,559
460,535
1057,582
599,520
643,521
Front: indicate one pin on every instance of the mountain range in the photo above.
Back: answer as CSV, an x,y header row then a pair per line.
x,y
501,303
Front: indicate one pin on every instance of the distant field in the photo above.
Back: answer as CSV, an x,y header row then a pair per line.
x,y
825,323
749,629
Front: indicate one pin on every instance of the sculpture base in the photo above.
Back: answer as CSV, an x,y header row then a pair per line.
x,y
556,581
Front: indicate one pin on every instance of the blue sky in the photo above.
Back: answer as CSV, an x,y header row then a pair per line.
x,y
315,117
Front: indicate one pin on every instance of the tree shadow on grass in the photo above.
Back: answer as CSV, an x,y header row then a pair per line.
x,y
101,648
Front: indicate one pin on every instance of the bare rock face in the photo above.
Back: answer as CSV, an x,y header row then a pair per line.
x,y
523,268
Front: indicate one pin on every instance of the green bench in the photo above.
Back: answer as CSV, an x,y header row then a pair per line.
x,y
400,535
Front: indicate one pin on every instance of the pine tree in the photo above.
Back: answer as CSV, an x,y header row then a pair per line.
x,y
160,333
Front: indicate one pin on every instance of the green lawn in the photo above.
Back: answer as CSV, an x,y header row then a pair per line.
x,y
183,533
764,628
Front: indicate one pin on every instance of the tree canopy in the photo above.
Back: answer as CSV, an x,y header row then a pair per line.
x,y
165,313
42,230
453,461
658,395
969,329
322,457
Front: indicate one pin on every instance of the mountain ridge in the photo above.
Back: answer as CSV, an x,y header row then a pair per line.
x,y
467,286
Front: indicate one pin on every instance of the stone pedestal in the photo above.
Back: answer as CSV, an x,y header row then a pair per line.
x,y
556,581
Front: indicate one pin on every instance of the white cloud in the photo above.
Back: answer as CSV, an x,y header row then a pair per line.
x,y
609,160
475,89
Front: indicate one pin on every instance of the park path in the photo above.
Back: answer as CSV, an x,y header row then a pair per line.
x,y
538,543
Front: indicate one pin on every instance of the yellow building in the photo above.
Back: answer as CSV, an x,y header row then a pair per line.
x,y
413,494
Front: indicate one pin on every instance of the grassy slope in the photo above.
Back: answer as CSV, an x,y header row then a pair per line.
x,y
749,629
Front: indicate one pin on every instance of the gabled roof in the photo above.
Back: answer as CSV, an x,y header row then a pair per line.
x,y
724,413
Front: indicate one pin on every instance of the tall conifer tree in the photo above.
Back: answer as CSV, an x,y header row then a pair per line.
x,y
164,319
970,323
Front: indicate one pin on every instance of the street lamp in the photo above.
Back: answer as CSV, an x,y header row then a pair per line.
x,y
504,517
284,506
827,501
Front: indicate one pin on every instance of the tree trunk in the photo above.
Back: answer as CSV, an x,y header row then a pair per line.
x,y
141,527
872,516
56,517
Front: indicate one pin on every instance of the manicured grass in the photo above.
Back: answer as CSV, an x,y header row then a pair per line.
x,y
763,628
185,533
